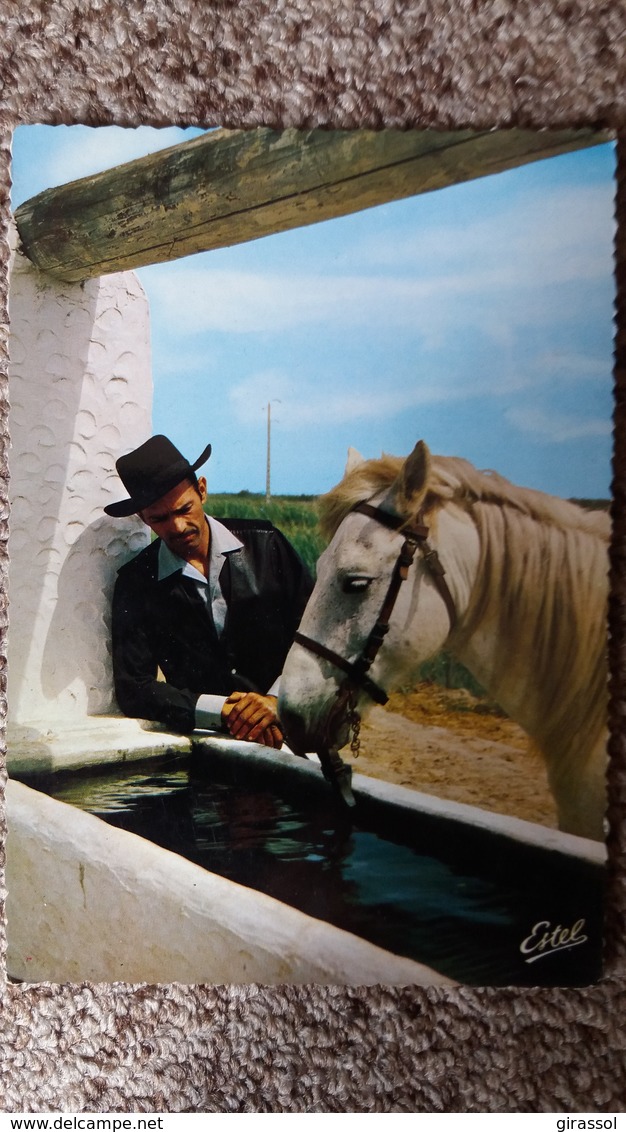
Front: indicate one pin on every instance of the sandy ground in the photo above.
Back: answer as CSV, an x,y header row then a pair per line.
x,y
450,744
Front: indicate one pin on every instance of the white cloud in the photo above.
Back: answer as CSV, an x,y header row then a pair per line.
x,y
555,426
199,298
297,401
83,151
572,226
495,270
556,364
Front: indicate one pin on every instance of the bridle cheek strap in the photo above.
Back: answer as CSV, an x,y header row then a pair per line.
x,y
415,536
335,770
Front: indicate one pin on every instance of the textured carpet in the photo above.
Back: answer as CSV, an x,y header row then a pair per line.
x,y
474,63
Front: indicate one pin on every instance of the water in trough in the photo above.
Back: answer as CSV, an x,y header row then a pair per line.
x,y
446,897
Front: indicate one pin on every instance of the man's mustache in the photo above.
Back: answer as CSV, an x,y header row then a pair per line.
x,y
185,534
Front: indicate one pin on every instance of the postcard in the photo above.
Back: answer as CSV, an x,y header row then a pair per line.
x,y
310,489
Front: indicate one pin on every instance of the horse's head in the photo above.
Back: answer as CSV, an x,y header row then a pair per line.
x,y
353,579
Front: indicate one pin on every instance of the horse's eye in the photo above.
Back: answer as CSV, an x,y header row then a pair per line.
x,y
356,584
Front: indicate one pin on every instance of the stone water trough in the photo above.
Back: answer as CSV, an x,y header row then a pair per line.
x,y
88,901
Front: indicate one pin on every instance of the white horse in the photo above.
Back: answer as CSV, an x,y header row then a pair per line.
x,y
528,579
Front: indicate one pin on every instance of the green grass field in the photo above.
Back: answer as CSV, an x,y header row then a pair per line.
x,y
294,515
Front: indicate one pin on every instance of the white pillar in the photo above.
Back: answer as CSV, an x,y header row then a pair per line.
x,y
81,395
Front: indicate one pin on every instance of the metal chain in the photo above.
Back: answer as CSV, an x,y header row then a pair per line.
x,y
354,723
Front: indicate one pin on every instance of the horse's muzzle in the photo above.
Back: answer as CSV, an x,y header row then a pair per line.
x,y
305,735
294,729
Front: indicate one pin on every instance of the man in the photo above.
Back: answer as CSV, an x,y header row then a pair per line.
x,y
213,605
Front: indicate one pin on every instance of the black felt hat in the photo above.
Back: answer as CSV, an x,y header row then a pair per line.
x,y
150,472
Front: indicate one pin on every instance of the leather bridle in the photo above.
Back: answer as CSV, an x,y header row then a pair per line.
x,y
356,672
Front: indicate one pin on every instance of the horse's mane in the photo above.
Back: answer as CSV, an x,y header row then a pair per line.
x,y
542,577
453,479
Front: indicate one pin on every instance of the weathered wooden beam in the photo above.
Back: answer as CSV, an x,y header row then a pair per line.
x,y
229,186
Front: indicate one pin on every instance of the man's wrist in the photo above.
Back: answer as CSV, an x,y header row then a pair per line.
x,y
209,712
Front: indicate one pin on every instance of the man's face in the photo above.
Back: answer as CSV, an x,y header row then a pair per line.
x,y
178,518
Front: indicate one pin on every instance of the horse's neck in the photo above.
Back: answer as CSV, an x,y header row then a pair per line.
x,y
511,687
524,638
477,638
456,538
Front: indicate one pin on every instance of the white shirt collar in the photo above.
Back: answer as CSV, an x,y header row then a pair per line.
x,y
223,542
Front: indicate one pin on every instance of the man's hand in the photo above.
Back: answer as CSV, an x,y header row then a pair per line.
x,y
248,715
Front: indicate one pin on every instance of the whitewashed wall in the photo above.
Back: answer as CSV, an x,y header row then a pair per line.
x,y
81,395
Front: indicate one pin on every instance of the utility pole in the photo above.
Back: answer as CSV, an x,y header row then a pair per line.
x,y
269,441
269,447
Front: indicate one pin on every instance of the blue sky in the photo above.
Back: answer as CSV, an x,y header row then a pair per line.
x,y
477,317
